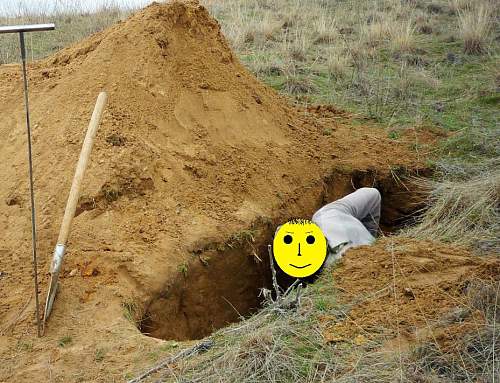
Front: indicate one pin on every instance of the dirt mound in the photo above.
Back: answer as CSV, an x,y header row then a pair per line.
x,y
406,291
192,152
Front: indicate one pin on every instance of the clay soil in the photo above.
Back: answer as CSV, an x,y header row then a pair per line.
x,y
194,158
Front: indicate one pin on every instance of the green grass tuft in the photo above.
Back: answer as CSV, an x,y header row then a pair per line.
x,y
65,341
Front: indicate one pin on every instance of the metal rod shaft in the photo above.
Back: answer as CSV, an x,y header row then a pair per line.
x,y
32,193
27,28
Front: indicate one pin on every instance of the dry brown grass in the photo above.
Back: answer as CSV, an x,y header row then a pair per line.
x,y
377,32
457,6
403,37
296,45
463,212
475,24
485,296
324,30
338,63
285,344
259,32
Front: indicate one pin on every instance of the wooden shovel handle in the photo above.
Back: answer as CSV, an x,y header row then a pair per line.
x,y
80,168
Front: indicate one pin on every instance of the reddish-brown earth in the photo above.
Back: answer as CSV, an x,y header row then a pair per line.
x,y
407,291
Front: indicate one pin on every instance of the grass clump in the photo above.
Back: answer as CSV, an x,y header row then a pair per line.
x,y
24,346
242,237
376,33
99,355
325,30
338,64
183,269
130,311
65,341
297,84
403,37
475,26
462,212
327,132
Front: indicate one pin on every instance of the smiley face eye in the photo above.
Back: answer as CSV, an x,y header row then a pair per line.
x,y
288,239
310,239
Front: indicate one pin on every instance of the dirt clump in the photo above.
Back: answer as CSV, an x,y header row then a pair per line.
x,y
191,150
408,291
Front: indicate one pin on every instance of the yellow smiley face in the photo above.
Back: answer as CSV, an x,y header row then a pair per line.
x,y
299,248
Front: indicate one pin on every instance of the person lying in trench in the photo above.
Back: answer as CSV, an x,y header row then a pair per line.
x,y
302,248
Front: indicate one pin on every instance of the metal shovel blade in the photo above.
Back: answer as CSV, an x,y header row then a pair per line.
x,y
54,276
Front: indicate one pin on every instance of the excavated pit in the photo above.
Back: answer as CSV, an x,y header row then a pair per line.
x,y
222,282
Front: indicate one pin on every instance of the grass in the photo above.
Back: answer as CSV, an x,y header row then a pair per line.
x,y
399,63
99,355
462,212
246,236
183,269
273,345
378,63
475,26
403,37
402,64
131,312
65,341
24,346
287,345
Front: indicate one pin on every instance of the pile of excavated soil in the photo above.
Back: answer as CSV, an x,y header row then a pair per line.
x,y
409,292
192,151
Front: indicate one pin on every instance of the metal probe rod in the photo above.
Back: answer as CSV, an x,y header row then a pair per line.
x,y
32,192
21,29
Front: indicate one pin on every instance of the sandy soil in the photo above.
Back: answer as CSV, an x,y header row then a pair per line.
x,y
407,291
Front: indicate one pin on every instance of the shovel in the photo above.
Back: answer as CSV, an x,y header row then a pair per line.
x,y
72,202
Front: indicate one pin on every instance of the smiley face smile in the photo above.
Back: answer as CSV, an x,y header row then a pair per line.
x,y
299,267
